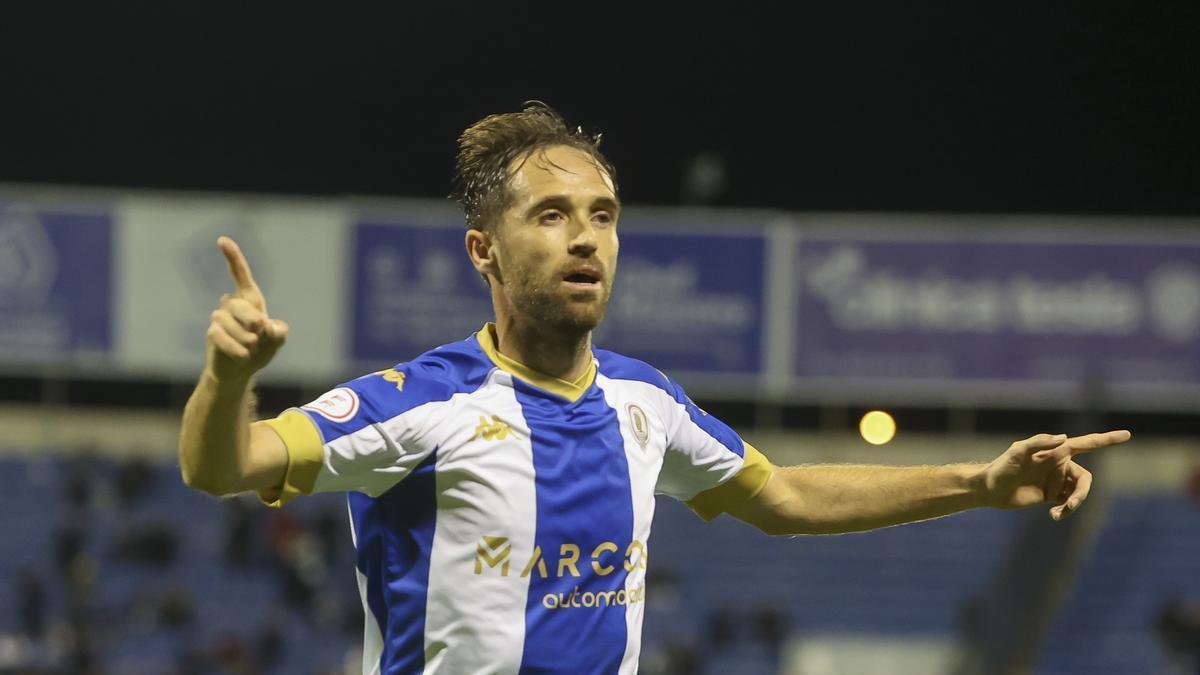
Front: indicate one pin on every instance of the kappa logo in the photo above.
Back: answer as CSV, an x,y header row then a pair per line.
x,y
639,424
491,431
337,405
394,376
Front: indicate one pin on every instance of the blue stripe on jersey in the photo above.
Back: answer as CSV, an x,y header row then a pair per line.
x,y
394,533
618,367
583,498
434,376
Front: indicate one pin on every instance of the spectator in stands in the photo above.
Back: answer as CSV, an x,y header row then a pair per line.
x,y
232,653
722,628
134,480
154,543
75,566
662,588
70,535
69,539
770,627
269,643
295,557
671,658
239,542
681,660
329,528
1179,630
31,605
81,657
282,530
175,608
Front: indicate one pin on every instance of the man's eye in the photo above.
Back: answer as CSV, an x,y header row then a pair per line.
x,y
603,217
551,217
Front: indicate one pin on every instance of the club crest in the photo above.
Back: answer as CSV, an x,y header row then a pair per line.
x,y
639,424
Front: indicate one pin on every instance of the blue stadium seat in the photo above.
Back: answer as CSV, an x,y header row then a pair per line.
x,y
1147,555
911,579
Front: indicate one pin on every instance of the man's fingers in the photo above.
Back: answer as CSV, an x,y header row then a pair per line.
x,y
1041,442
1096,441
1054,484
277,330
226,344
234,328
1056,454
242,338
239,269
246,313
1082,479
1077,444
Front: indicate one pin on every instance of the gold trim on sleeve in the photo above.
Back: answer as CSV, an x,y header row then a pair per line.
x,y
306,453
745,484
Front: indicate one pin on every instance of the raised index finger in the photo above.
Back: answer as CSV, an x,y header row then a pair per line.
x,y
239,269
1090,442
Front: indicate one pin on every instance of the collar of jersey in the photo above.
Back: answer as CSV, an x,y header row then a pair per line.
x,y
572,391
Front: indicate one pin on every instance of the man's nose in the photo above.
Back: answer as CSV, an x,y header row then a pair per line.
x,y
584,242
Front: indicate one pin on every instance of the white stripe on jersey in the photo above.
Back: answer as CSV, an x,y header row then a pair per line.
x,y
496,479
645,460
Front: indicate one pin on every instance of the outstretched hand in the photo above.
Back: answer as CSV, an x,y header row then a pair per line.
x,y
1040,470
242,338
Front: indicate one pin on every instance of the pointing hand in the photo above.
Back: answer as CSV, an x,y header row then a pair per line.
x,y
242,338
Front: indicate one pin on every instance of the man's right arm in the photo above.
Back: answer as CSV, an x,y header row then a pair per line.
x,y
220,451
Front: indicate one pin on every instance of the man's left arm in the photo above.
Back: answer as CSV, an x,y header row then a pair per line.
x,y
831,499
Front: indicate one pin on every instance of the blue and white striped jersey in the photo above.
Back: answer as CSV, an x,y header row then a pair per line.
x,y
500,516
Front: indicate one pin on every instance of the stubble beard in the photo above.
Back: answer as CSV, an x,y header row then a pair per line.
x,y
545,303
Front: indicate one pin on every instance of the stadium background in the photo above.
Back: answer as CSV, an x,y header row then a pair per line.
x,y
983,221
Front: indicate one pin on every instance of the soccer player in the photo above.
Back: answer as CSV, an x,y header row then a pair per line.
x,y
501,488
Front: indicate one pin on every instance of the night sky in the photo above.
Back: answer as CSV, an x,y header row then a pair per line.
x,y
1092,107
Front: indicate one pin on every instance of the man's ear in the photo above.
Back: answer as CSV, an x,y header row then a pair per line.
x,y
480,248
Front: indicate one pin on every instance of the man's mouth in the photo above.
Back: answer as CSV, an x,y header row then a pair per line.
x,y
583,279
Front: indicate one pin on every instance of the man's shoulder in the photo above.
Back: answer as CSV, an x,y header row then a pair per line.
x,y
620,367
436,375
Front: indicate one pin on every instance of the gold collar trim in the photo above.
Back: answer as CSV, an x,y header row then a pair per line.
x,y
572,391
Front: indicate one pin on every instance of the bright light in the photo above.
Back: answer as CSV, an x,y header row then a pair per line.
x,y
877,427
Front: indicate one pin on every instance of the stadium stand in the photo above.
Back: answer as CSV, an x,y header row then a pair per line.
x,y
109,574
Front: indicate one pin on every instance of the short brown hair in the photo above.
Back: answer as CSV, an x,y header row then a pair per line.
x,y
488,149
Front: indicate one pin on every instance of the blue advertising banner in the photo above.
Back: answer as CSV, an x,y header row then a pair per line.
x,y
688,302
55,284
904,307
414,289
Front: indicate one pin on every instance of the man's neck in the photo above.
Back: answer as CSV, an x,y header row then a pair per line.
x,y
562,356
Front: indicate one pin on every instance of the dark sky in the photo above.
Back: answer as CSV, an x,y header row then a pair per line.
x,y
1093,107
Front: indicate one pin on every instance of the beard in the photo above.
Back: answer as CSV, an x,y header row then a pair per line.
x,y
544,300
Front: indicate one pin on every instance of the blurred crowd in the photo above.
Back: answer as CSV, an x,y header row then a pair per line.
x,y
137,574
116,575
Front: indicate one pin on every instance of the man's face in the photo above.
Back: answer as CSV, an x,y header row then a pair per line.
x,y
556,243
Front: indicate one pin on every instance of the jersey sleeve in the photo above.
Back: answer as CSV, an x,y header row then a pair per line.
x,y
707,464
365,435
